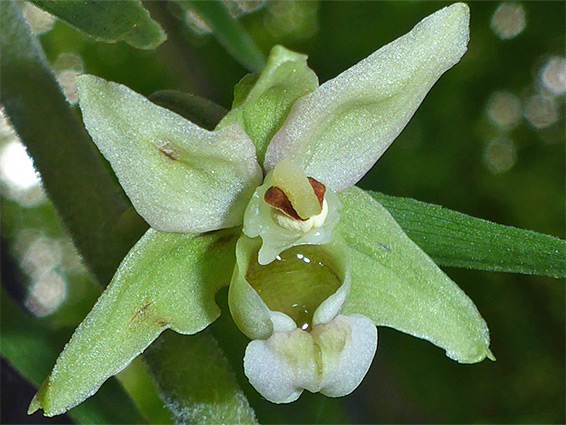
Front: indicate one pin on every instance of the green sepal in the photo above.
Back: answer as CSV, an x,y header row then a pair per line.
x,y
262,104
109,21
179,176
396,284
168,280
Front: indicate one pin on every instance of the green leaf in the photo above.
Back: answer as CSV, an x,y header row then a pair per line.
x,y
262,103
396,284
340,130
202,112
168,280
31,347
180,177
89,201
140,386
459,240
229,32
108,20
195,380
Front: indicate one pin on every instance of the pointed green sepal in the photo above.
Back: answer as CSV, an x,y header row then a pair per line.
x,y
261,104
168,280
179,177
396,284
337,132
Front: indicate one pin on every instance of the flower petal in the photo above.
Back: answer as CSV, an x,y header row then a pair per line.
x,y
179,177
305,286
338,132
332,359
168,280
282,366
344,370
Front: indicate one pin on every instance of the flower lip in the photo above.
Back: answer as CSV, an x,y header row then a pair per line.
x,y
306,286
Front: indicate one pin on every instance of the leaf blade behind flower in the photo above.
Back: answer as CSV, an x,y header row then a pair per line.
x,y
396,284
109,21
168,280
455,239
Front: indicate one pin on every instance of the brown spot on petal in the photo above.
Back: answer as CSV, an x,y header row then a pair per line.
x,y
279,200
168,150
142,312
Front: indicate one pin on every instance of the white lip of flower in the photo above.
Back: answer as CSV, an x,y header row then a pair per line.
x,y
330,354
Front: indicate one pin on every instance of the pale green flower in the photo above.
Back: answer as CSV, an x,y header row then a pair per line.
x,y
314,273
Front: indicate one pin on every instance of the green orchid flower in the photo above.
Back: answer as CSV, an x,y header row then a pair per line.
x,y
266,202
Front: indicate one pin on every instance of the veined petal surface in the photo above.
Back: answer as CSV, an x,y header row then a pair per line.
x,y
179,177
338,132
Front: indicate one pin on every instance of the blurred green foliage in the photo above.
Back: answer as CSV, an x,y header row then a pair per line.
x,y
445,156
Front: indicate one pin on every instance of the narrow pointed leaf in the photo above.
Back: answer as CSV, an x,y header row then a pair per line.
x,y
110,21
168,280
396,284
196,381
229,32
179,177
459,240
338,132
31,348
262,103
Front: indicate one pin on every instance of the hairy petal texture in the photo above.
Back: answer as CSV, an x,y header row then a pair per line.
x,y
179,177
353,118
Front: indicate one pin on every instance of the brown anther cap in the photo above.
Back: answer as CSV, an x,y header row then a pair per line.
x,y
279,200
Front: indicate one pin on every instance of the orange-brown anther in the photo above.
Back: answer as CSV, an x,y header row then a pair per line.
x,y
279,200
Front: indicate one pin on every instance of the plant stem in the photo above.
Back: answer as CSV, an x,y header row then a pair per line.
x,y
87,198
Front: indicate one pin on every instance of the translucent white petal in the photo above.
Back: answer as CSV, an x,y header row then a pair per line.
x,y
338,132
343,371
333,304
179,177
282,366
332,359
